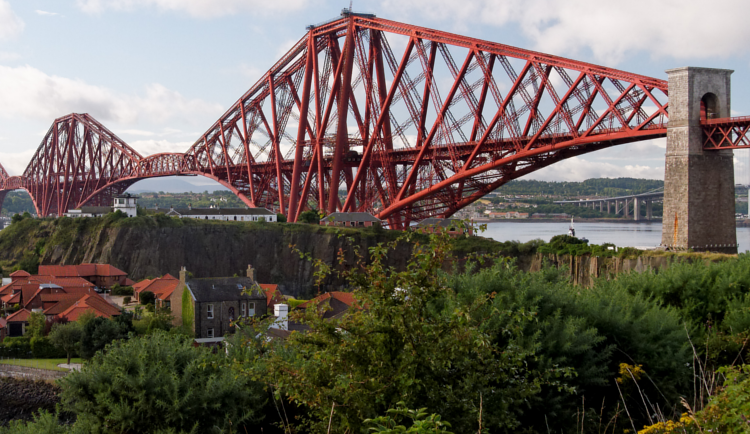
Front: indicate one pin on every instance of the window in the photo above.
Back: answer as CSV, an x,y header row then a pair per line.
x,y
210,333
210,311
243,309
251,309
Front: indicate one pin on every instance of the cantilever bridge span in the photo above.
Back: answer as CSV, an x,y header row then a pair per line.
x,y
366,114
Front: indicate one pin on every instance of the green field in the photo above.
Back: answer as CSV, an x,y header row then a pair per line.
x,y
49,364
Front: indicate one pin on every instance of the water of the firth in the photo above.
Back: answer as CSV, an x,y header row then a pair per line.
x,y
643,235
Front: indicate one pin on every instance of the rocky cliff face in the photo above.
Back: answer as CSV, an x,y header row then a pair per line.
x,y
585,269
220,250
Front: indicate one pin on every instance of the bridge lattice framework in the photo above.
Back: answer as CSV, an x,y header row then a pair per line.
x,y
367,114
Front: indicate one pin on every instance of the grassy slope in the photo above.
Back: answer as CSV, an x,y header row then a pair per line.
x,y
49,364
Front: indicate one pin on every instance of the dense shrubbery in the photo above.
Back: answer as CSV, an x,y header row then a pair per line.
x,y
495,346
117,289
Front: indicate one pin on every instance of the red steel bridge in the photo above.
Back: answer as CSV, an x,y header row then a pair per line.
x,y
367,114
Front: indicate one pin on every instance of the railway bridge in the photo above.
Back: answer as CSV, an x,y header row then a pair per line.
x,y
405,122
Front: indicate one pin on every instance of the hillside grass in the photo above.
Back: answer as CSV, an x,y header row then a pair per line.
x,y
48,364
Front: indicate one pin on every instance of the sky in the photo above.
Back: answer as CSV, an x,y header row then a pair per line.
x,y
159,73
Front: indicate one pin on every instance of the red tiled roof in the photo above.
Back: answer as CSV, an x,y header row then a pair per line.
x,y
162,287
82,270
12,298
89,303
19,316
19,273
140,286
129,282
345,297
273,295
63,281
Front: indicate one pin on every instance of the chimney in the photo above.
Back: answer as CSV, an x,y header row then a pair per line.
x,y
190,206
183,275
281,312
171,208
251,272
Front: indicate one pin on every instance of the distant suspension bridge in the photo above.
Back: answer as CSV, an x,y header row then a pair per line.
x,y
621,205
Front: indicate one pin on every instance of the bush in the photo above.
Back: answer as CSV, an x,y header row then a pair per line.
x,y
147,297
310,216
160,382
117,289
126,300
100,332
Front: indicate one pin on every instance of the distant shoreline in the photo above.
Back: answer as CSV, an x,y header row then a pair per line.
x,y
577,220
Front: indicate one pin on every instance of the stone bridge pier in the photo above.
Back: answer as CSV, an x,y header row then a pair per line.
x,y
698,184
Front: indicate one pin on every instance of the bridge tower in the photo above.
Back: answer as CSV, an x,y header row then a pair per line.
x,y
698,184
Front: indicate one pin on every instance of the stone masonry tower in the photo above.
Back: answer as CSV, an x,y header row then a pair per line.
x,y
698,185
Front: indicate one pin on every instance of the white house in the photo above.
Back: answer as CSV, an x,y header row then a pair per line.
x,y
125,203
227,214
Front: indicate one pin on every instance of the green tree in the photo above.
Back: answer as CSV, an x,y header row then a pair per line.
x,y
281,218
147,297
37,323
420,421
160,382
405,340
66,337
310,216
99,332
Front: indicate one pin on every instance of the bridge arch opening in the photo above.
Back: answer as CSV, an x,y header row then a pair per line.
x,y
709,106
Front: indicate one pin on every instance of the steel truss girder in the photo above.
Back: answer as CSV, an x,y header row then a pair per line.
x,y
343,122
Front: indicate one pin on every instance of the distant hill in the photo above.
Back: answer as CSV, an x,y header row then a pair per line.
x,y
603,187
175,184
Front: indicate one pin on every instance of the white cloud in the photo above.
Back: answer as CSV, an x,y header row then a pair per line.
x,y
149,147
611,30
30,93
15,162
196,8
6,56
46,13
578,169
10,24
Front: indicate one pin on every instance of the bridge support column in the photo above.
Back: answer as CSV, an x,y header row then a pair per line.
x,y
608,204
625,209
636,209
649,209
698,185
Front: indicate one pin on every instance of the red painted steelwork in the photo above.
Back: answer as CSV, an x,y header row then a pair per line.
x,y
366,114
726,133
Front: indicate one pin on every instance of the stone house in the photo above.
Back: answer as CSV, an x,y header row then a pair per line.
x,y
209,305
350,219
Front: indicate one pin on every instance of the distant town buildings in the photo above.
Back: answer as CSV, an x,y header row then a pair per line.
x,y
451,226
226,214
